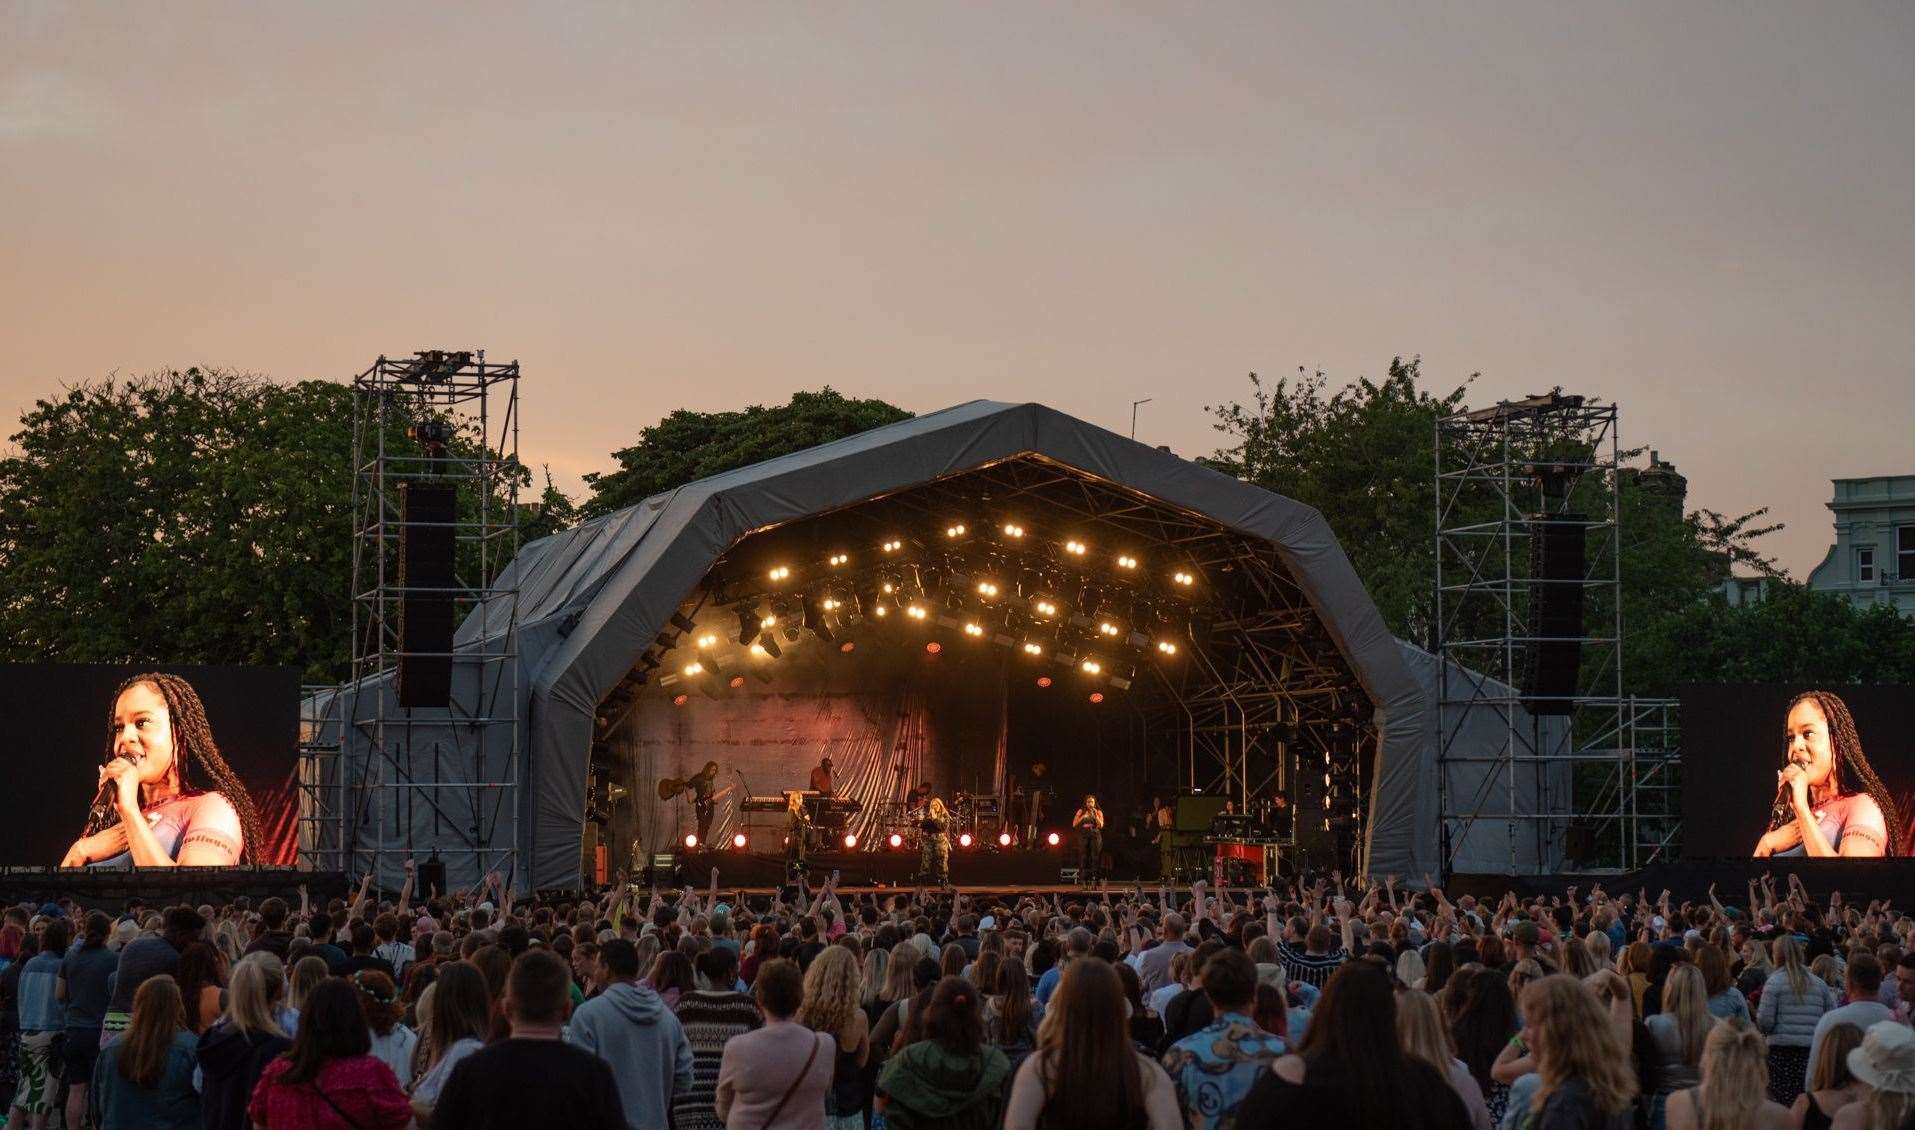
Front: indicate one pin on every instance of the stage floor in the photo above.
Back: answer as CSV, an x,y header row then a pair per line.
x,y
889,871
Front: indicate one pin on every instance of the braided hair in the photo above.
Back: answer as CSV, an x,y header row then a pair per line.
x,y
192,746
1846,746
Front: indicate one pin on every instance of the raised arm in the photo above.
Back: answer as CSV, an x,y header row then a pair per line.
x,y
405,891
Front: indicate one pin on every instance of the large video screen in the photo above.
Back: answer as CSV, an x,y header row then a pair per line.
x,y
201,760
1751,752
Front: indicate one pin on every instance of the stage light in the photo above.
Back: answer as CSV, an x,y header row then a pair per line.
x,y
934,647
830,603
893,546
767,621
1096,696
973,630
986,589
1043,680
739,840
840,559
1109,629
758,650
1003,839
1126,561
1045,608
768,644
880,610
955,530
847,647
850,841
888,588
691,840
1076,548
1053,839
916,612
747,622
1033,649
1166,647
1092,667
780,573
694,669
708,640
1013,530
680,699
896,841
964,839
1183,578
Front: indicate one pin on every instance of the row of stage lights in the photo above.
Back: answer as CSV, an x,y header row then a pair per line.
x,y
741,841
1032,614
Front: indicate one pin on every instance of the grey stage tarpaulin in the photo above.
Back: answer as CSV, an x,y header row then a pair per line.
x,y
594,597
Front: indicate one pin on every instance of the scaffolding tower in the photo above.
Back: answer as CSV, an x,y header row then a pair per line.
x,y
436,780
1552,771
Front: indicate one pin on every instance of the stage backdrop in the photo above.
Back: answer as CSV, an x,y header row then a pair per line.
x,y
58,717
1733,743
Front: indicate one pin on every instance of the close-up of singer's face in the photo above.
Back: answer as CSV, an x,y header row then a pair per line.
x,y
143,731
1808,742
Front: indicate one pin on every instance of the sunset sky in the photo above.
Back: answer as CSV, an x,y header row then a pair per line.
x,y
1705,212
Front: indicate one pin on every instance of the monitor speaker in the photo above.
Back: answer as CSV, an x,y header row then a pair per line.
x,y
1556,570
427,543
428,875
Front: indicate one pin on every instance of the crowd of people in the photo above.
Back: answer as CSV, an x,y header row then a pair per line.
x,y
1311,1004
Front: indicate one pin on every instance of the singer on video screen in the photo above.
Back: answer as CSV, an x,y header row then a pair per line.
x,y
147,813
1828,800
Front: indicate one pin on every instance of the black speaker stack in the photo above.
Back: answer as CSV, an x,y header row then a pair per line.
x,y
427,545
1556,566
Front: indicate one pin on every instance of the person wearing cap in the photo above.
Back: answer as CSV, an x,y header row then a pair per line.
x,y
1885,1063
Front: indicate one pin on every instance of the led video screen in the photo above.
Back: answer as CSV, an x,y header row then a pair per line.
x,y
1794,771
189,766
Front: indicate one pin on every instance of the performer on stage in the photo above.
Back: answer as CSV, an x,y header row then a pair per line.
x,y
1163,821
147,813
934,850
1089,822
1829,800
821,778
704,802
1038,795
797,833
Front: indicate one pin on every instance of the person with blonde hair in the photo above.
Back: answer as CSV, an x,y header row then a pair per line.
x,y
1735,1079
1679,1034
1419,1027
1832,1085
1885,1063
235,1050
1793,1001
1586,1078
833,1005
1410,968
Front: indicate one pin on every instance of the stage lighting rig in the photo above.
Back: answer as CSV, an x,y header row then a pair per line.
x,y
1076,548
768,643
1012,530
1126,561
815,617
748,625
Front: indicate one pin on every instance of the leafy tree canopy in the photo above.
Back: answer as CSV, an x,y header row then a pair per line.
x,y
195,516
686,446
1364,455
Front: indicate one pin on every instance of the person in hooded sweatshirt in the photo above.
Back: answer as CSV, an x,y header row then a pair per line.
x,y
952,1079
628,1026
234,1052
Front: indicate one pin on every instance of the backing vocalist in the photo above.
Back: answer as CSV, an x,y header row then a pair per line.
x,y
1828,799
146,815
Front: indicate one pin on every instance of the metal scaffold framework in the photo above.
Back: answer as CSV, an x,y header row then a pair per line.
x,y
1560,764
444,769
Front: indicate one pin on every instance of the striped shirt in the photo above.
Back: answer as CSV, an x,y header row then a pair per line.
x,y
709,1019
1309,968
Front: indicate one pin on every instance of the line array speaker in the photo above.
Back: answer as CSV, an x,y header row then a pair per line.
x,y
426,547
1556,564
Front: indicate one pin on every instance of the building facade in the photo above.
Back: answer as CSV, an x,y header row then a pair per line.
x,y
1873,558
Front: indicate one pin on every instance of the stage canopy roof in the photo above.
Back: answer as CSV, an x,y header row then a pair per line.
x,y
1270,624
1272,607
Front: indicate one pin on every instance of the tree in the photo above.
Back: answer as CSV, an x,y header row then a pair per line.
x,y
1363,455
195,516
1793,635
686,446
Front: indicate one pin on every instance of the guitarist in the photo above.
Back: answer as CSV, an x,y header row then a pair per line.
x,y
704,800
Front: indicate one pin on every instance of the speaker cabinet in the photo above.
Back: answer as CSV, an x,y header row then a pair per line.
x,y
1556,564
426,547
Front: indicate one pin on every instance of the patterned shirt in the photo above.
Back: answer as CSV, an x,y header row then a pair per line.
x,y
1213,1069
709,1019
